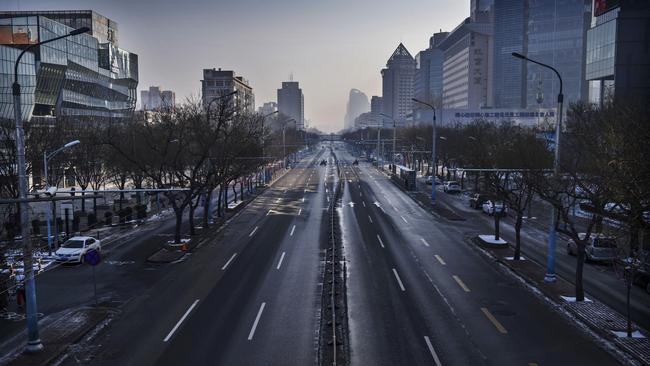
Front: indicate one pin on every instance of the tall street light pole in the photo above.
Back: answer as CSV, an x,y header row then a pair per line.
x,y
394,137
433,150
47,157
33,339
263,149
550,255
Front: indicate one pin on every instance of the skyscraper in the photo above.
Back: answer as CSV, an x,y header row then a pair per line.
x,y
217,82
397,85
291,102
155,98
357,104
428,77
510,28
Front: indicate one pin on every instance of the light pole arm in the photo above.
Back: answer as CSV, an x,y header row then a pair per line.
x,y
520,56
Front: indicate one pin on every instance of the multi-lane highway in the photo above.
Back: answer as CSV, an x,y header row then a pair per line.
x,y
417,293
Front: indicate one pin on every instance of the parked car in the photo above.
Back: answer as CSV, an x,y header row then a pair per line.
x,y
451,186
599,248
74,249
492,206
355,162
428,179
477,200
323,162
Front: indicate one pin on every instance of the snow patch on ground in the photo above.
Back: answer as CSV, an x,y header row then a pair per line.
x,y
521,258
573,299
490,240
623,334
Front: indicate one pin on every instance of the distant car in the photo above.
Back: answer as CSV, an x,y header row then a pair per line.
x,y
477,200
451,186
599,248
355,162
323,162
74,249
490,207
429,180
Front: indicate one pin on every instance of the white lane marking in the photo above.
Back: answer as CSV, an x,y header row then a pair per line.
x,y
364,203
380,241
370,218
439,258
278,200
433,352
360,193
424,241
328,198
303,199
228,263
171,332
252,232
257,319
292,230
280,262
299,211
382,209
404,219
399,280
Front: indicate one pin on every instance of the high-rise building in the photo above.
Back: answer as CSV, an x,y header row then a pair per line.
x,y
397,85
357,104
618,51
466,70
154,98
428,78
291,102
217,83
267,108
79,77
552,32
556,36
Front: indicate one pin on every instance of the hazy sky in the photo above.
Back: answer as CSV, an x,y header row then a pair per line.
x,y
330,46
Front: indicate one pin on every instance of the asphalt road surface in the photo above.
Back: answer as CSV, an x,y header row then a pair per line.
x,y
417,293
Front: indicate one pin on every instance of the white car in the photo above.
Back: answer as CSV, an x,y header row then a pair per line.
x,y
451,187
489,207
74,249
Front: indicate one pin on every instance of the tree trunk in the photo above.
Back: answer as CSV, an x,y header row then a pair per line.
x,y
83,201
95,205
518,224
241,189
234,192
497,219
628,281
219,200
179,221
206,208
225,198
191,218
580,292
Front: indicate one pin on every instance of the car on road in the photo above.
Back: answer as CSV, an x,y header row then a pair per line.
x,y
478,199
492,206
323,162
429,180
74,249
355,162
451,186
599,248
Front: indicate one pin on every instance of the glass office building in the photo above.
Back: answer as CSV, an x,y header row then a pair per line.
x,y
84,76
510,26
556,36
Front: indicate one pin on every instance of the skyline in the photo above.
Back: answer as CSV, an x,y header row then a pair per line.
x,y
356,49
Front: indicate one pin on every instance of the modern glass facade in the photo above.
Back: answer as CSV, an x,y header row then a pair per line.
x,y
26,78
510,24
601,57
75,76
556,36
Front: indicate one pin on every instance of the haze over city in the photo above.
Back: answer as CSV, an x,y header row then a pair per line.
x,y
330,47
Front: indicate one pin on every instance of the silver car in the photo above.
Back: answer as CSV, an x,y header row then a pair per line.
x,y
599,248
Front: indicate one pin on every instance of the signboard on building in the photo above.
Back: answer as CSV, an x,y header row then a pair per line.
x,y
603,6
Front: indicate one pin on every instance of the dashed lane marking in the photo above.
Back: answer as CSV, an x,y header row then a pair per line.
x,y
171,332
252,232
380,241
494,321
228,263
280,262
461,283
292,230
257,320
432,351
439,258
424,241
399,280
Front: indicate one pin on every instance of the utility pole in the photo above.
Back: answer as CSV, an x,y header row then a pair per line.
x,y
433,150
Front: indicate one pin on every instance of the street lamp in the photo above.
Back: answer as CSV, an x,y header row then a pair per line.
x,y
394,134
263,153
47,157
33,339
433,149
550,255
284,144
